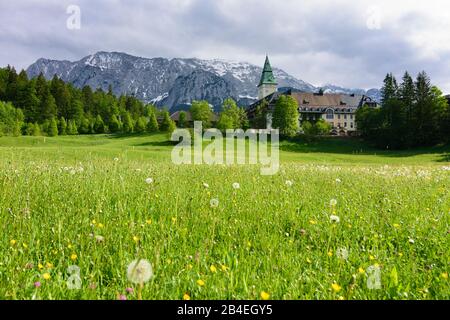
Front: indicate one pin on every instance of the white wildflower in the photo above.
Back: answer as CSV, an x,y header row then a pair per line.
x,y
139,271
149,180
335,219
205,185
214,203
236,185
289,183
342,253
333,202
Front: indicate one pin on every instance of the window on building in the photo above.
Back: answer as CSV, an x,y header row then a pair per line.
x,y
339,116
345,124
351,117
330,114
351,125
339,124
345,116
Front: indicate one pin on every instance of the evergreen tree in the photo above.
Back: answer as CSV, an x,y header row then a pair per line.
x,y
141,125
62,129
36,130
128,125
114,124
52,128
390,88
99,125
286,116
167,124
72,128
152,125
260,119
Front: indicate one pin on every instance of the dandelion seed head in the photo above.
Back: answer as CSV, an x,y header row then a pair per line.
x,y
149,180
139,271
236,186
335,219
214,203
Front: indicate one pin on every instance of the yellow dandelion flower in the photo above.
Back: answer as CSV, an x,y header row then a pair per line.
x,y
94,222
312,222
213,268
400,254
341,298
396,225
174,219
264,295
46,276
149,221
371,257
40,266
73,256
49,265
186,297
330,253
189,266
200,282
135,239
13,242
100,225
444,275
336,287
69,246
25,245
361,270
224,267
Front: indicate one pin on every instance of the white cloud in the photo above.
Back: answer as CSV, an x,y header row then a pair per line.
x,y
318,41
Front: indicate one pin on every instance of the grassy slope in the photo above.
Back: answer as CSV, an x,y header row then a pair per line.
x,y
155,147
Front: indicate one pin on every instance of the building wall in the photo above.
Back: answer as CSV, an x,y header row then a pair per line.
x,y
265,90
345,121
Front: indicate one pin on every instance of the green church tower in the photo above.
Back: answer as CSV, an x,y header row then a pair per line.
x,y
267,84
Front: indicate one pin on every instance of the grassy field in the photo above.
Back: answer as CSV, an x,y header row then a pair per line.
x,y
339,221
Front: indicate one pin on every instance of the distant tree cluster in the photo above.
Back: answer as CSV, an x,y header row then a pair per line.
x,y
413,114
40,107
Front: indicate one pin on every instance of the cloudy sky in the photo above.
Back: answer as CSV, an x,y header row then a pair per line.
x,y
348,43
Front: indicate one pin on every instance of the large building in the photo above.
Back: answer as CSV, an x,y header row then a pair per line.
x,y
337,109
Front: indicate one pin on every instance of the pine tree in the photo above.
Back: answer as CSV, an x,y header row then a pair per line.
x,y
140,125
128,125
52,128
167,124
99,125
152,125
62,127
36,130
72,128
390,88
114,124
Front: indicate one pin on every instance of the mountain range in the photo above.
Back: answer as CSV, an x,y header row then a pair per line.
x,y
173,83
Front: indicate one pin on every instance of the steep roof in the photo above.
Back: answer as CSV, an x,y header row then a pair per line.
x,y
267,76
327,100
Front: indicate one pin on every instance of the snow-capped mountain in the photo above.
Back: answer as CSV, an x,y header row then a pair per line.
x,y
172,83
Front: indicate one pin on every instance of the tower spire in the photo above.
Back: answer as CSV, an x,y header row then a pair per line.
x,y
267,84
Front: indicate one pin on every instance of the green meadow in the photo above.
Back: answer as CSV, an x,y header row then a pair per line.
x,y
339,221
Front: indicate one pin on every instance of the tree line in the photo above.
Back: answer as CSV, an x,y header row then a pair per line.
x,y
41,107
412,114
